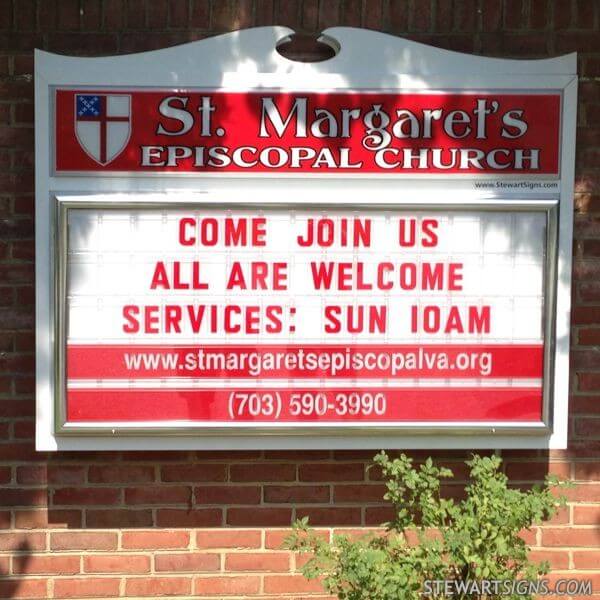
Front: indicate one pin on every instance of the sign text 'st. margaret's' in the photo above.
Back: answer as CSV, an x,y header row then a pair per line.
x,y
307,132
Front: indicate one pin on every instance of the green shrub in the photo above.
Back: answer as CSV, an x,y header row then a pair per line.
x,y
432,538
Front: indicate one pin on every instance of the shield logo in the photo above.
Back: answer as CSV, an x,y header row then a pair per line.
x,y
103,124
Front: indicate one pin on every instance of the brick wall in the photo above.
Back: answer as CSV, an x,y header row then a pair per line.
x,y
142,524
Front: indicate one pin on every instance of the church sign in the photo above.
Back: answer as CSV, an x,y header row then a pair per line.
x,y
235,250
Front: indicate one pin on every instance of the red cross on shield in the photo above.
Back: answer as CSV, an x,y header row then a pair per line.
x,y
103,130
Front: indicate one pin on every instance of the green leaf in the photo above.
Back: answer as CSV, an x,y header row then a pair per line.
x,y
477,536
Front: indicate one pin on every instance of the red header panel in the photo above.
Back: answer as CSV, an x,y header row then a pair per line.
x,y
268,132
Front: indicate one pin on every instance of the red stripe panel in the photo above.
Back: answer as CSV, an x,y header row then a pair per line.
x,y
239,117
402,404
108,361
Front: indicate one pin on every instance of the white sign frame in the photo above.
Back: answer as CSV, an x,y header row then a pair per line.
x,y
248,60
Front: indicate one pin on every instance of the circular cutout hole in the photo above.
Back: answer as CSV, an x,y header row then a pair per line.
x,y
303,47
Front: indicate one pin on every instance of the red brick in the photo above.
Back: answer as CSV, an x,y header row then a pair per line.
x,y
566,536
200,14
589,382
47,14
117,563
192,562
119,518
83,540
586,515
296,494
335,515
83,43
585,559
25,342
420,17
5,474
23,588
23,497
332,472
157,14
585,315
587,427
121,474
158,586
86,588
44,519
584,404
585,359
21,430
238,585
68,14
328,13
257,561
561,517
16,136
24,114
86,496
591,248
577,42
587,471
25,15
263,13
193,473
538,14
158,495
590,335
227,538
139,540
537,471
136,14
6,15
257,517
514,15
224,494
556,559
45,565
66,474
263,472
562,14
529,536
178,13
286,584
91,14
196,517
142,41
358,493
20,41
22,542
376,515
583,492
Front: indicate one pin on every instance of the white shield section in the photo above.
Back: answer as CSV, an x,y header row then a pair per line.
x,y
88,135
115,127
